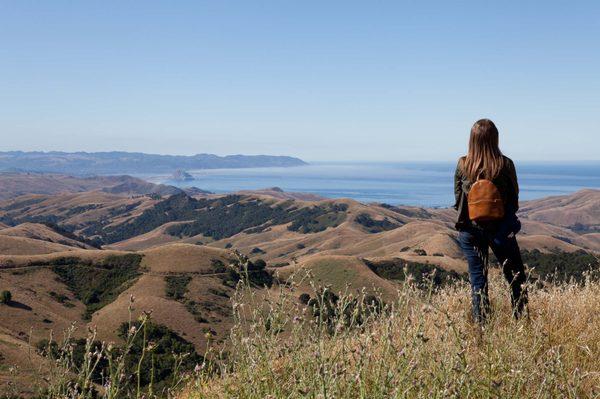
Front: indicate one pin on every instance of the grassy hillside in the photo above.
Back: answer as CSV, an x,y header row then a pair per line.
x,y
10,245
189,289
421,345
180,261
15,184
283,229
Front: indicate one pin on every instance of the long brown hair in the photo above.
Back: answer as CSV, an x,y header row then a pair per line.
x,y
484,159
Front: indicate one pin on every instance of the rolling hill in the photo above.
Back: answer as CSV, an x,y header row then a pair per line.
x,y
15,184
578,212
42,232
279,228
80,256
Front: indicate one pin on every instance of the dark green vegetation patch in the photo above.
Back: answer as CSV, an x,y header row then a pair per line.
x,y
327,308
196,310
217,218
5,297
24,203
224,217
254,274
562,266
317,218
97,284
61,298
220,218
375,226
161,365
411,212
158,365
422,274
584,228
177,286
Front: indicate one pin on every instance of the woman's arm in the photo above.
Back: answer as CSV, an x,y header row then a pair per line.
x,y
457,185
514,185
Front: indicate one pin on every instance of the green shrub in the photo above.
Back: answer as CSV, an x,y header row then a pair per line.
x,y
423,274
333,311
196,310
304,298
218,266
258,264
242,268
61,298
177,286
5,297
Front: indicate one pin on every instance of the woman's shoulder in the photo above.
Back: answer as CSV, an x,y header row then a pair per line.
x,y
459,165
508,162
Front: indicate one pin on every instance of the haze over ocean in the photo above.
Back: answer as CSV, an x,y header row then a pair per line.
x,y
426,184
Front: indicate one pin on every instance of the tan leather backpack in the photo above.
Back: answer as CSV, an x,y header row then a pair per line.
x,y
485,202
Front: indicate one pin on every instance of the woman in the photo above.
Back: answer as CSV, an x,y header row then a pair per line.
x,y
485,161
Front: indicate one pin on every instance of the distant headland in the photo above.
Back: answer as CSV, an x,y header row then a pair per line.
x,y
117,162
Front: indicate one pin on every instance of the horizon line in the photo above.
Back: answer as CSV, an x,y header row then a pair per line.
x,y
307,160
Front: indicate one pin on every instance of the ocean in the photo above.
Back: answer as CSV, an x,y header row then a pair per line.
x,y
427,184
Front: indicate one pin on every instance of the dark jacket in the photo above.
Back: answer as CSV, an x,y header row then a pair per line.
x,y
506,182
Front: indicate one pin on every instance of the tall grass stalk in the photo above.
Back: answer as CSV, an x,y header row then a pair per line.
x,y
68,378
421,344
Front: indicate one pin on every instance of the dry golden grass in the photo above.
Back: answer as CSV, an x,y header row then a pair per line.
x,y
422,346
565,210
42,232
8,262
34,312
20,368
10,245
154,238
184,258
340,273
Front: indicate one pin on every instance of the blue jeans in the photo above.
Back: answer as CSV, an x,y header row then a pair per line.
x,y
500,237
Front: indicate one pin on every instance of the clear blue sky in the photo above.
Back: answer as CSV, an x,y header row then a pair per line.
x,y
322,80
